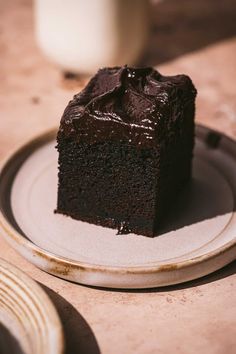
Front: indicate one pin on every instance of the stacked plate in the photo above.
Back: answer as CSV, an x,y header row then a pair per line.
x,y
29,323
198,239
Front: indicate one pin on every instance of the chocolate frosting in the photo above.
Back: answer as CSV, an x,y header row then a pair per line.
x,y
135,105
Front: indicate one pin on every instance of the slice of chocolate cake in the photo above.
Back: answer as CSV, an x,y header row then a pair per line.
x,y
125,148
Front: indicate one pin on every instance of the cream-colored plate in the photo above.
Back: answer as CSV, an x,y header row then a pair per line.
x,y
198,237
29,324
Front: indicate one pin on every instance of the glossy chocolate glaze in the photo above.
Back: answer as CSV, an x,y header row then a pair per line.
x,y
135,105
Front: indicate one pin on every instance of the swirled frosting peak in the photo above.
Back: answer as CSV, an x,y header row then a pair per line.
x,y
128,104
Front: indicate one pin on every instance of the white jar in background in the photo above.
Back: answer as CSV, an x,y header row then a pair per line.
x,y
83,35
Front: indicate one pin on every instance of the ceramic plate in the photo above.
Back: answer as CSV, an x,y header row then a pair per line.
x,y
197,238
29,324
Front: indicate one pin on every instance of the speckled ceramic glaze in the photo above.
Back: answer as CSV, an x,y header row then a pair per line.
x,y
28,315
198,236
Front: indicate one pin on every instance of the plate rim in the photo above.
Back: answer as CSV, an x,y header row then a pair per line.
x,y
15,238
37,292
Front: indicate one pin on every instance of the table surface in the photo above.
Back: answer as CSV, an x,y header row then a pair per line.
x,y
199,316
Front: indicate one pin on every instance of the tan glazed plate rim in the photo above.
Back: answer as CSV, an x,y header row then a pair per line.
x,y
62,266
31,306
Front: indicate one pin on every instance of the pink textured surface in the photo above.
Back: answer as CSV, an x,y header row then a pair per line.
x,y
192,318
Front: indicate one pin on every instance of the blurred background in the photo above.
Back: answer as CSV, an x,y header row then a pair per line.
x,y
50,48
